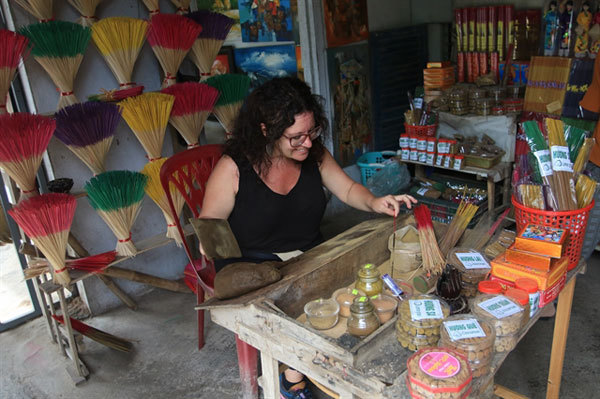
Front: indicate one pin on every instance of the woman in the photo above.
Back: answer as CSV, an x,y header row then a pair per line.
x,y
269,182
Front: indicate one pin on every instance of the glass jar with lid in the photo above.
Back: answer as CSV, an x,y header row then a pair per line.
x,y
369,280
363,320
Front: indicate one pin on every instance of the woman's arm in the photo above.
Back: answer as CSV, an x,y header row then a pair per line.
x,y
355,194
221,188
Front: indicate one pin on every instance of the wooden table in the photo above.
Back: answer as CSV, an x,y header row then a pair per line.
x,y
496,174
374,367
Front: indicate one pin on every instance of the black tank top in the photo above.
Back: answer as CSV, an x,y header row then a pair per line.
x,y
265,221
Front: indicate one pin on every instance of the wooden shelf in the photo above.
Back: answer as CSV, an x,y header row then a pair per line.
x,y
497,173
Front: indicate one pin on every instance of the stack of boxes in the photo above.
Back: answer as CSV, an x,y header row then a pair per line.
x,y
538,254
437,77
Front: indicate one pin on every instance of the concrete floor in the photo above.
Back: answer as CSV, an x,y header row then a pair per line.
x,y
166,364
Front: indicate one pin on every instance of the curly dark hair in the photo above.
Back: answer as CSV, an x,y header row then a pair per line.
x,y
275,103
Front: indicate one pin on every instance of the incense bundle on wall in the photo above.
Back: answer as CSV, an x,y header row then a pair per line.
x,y
40,9
584,155
23,141
47,219
155,191
586,188
541,152
433,260
117,197
88,130
233,89
193,103
12,48
152,6
183,6
58,46
87,9
461,219
171,37
561,165
215,28
110,96
148,115
90,264
119,40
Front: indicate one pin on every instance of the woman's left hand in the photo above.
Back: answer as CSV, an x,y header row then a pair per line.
x,y
390,204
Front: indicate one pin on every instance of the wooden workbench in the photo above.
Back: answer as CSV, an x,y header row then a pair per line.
x,y
374,367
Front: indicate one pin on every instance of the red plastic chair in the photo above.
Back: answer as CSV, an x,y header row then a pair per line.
x,y
189,171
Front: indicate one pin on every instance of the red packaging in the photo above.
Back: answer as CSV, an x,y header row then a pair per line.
x,y
469,61
483,29
478,30
475,67
492,21
546,296
500,32
461,67
465,28
483,63
472,29
458,27
509,25
494,63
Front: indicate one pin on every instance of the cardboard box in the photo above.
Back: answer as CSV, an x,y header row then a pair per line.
x,y
546,296
512,271
530,259
439,64
542,240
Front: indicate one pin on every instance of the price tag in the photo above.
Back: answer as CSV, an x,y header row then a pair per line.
x,y
500,307
471,260
561,162
421,309
422,191
462,329
544,162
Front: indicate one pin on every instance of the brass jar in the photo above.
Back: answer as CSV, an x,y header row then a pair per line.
x,y
369,280
363,320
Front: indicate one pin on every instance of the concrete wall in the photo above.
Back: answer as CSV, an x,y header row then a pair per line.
x,y
126,153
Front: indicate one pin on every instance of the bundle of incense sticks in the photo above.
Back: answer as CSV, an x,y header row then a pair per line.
x,y
561,165
461,219
433,260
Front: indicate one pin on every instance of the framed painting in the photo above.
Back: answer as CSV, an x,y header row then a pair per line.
x,y
229,8
264,63
224,63
266,20
345,21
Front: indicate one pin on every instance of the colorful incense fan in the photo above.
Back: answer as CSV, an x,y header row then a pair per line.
x,y
117,197
47,219
215,27
171,37
58,46
233,89
193,103
87,130
12,48
23,139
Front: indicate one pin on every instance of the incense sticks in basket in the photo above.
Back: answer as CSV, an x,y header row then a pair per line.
x,y
13,47
47,219
192,106
171,37
58,46
88,130
561,165
117,197
148,115
155,191
23,141
120,40
215,27
433,260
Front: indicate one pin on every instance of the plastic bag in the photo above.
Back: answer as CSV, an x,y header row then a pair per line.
x,y
390,179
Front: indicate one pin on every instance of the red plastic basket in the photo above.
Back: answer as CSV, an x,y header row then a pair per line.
x,y
573,221
425,130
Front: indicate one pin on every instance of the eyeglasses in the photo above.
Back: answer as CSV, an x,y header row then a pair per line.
x,y
299,139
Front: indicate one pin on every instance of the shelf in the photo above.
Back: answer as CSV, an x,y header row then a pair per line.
x,y
497,173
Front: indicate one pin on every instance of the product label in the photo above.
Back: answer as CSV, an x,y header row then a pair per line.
x,y
462,329
422,157
439,365
422,191
457,163
431,146
412,143
418,103
544,162
471,260
560,159
421,309
543,233
430,157
439,160
405,154
500,307
404,141
414,155
534,303
422,145
441,147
